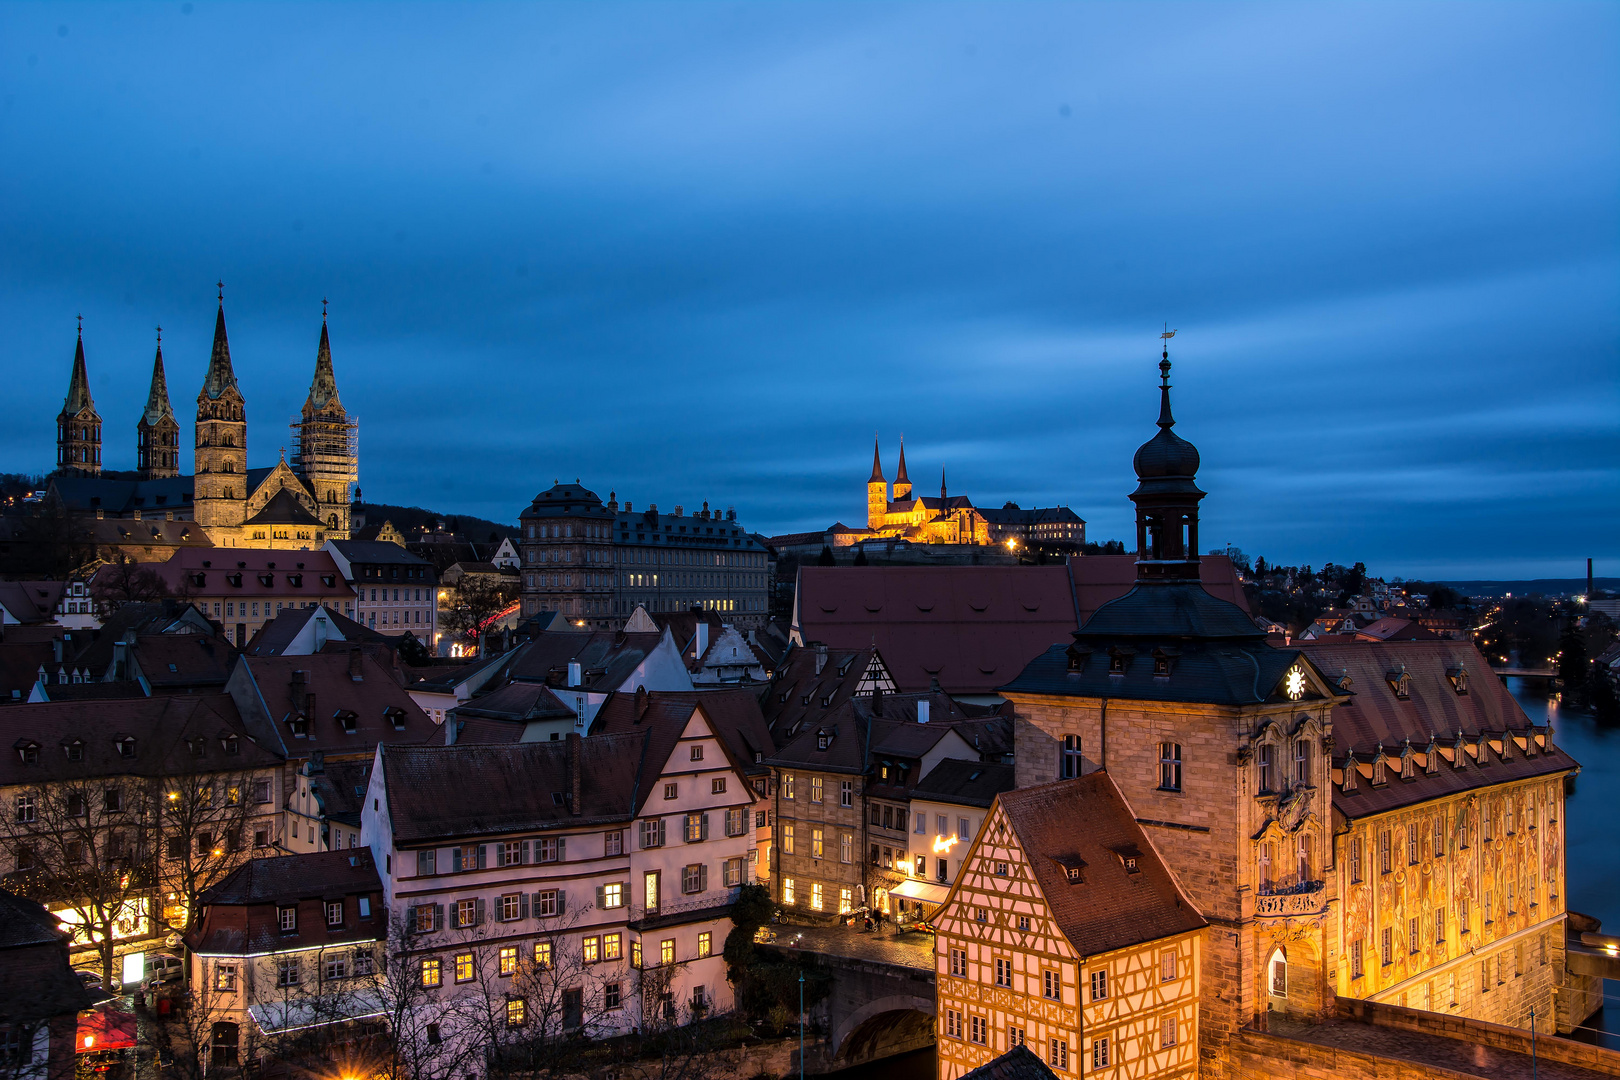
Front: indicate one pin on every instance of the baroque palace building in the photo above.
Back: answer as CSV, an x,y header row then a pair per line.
x,y
1359,821
300,504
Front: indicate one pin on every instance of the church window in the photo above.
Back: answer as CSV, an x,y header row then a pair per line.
x,y
1169,766
1071,757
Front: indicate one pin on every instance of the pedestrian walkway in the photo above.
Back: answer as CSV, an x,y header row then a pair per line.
x,y
911,949
1434,1051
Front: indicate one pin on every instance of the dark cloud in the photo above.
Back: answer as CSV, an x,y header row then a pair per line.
x,y
691,252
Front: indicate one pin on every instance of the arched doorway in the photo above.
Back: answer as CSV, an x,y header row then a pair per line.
x,y
1276,976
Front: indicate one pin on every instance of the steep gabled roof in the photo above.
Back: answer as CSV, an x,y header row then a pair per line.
x,y
1087,822
733,714
285,508
221,377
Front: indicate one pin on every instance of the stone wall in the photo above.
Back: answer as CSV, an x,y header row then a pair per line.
x,y
1496,1036
1258,1056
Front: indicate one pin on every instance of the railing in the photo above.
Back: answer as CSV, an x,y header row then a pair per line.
x,y
1306,898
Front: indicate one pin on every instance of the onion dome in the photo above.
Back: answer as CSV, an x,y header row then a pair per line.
x,y
1167,454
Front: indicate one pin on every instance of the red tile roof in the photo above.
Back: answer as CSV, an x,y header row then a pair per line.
x,y
1087,821
973,628
1101,578
734,714
241,915
372,699
1375,716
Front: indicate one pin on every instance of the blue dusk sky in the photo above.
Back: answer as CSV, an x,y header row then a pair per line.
x,y
692,252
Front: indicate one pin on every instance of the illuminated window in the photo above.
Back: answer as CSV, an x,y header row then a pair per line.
x,y
815,896
432,974
666,951
508,960
464,967
590,950
705,944
514,1013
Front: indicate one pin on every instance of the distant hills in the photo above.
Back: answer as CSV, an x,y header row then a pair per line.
x,y
1545,586
411,519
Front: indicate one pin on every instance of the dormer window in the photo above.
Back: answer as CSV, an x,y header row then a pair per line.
x,y
395,716
28,751
300,727
197,745
1432,757
126,746
1400,680
1161,665
1408,763
232,744
1078,655
1072,873
1352,775
1459,679
1116,664
328,580
1379,776
74,750
823,740
349,720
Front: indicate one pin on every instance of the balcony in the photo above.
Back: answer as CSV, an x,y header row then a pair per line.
x,y
1279,901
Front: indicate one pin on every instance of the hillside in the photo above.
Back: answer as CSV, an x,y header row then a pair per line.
x,y
412,519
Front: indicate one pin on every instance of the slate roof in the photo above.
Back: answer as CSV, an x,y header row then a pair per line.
x,y
1088,820
438,794
373,552
798,694
606,658
240,914
285,508
1374,716
1019,1063
970,783
161,727
1101,578
84,494
336,693
289,878
970,627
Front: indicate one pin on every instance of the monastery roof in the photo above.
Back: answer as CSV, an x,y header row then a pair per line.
x,y
1034,515
970,627
1087,823
262,572
1376,716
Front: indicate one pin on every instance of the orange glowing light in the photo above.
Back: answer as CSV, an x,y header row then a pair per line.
x,y
942,844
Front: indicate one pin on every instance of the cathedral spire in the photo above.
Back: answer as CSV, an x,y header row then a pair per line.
x,y
323,390
901,477
942,483
220,374
157,398
877,464
78,395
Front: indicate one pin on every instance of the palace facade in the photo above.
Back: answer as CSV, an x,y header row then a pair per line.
x,y
299,505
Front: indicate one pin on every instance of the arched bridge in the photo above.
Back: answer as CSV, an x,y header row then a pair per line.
x,y
882,1000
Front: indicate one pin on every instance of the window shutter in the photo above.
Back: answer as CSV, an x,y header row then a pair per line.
x,y
481,848
523,905
500,854
455,859
478,919
562,848
703,830
528,854
562,901
534,905
703,877
660,832
601,897
438,916
410,917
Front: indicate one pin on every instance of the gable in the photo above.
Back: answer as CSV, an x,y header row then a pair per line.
x,y
1004,897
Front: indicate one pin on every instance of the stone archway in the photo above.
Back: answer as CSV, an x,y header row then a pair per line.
x,y
884,1026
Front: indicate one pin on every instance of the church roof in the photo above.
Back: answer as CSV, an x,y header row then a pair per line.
x,y
157,398
84,494
284,508
78,395
221,377
877,465
323,390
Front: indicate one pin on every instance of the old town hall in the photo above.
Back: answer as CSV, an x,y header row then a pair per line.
x,y
296,504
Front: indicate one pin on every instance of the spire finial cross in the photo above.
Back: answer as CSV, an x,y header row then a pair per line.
x,y
81,324
221,291
323,309
160,335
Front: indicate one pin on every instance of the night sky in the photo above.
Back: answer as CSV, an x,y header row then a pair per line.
x,y
687,252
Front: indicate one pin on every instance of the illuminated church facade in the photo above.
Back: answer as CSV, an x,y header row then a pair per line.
x,y
296,505
920,519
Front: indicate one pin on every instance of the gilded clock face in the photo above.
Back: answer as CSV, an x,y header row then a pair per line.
x,y
1294,685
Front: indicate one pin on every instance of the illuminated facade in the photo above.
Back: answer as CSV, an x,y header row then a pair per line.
x,y
920,519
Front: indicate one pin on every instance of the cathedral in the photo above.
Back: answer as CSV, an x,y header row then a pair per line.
x,y
920,519
297,505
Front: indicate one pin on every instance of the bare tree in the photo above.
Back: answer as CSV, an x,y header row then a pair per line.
x,y
83,846
122,581
207,822
475,601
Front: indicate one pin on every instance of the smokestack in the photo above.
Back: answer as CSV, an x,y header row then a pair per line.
x,y
821,657
354,663
922,711
574,674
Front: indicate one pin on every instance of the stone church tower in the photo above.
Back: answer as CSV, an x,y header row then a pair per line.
x,y
78,425
326,444
221,452
877,492
157,433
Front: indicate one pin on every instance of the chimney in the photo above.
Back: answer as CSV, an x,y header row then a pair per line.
x,y
679,509
317,762
574,674
821,657
641,702
299,690
627,506
56,649
877,700
705,514
922,711
700,643
574,768
320,628
354,663
120,661
137,513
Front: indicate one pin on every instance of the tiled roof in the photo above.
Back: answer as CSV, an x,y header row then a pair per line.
x,y
971,783
607,659
183,661
340,788
970,627
371,699
1392,628
443,793
1101,578
91,691
734,714
1376,716
161,726
31,601
367,552
20,662
218,566
1087,821
799,694
1019,1063
517,702
35,979
274,636
290,878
